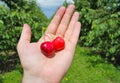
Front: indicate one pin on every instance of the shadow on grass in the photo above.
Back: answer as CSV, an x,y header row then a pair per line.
x,y
92,58
1,79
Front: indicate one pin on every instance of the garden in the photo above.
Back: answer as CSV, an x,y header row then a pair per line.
x,y
97,55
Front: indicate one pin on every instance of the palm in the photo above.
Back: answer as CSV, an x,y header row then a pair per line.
x,y
33,60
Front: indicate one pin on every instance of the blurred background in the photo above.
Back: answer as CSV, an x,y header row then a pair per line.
x,y
97,56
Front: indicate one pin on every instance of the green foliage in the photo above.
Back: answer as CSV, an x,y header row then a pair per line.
x,y
65,3
12,19
100,26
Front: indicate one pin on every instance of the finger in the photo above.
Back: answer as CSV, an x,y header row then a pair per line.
x,y
75,35
71,27
65,21
26,34
55,21
70,47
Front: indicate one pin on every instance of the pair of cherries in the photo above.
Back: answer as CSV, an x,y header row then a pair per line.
x,y
49,48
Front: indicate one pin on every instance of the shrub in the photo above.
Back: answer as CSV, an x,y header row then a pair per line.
x,y
12,19
100,27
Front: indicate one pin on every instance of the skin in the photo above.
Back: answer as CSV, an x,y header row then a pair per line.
x,y
36,66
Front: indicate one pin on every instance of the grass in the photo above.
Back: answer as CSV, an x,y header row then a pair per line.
x,y
86,68
11,77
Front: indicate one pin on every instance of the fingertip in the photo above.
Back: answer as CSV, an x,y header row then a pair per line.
x,y
78,24
75,17
71,6
76,13
26,28
62,7
25,25
26,34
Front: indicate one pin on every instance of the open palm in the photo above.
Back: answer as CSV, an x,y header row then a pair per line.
x,y
35,64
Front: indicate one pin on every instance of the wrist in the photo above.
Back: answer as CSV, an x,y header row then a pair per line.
x,y
30,78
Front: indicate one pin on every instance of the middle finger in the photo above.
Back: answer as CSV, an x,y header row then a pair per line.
x,y
65,20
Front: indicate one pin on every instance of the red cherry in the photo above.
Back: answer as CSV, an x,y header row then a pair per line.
x,y
59,43
48,48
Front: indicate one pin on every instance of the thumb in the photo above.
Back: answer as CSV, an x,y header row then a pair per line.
x,y
26,34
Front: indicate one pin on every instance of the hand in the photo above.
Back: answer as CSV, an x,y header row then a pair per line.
x,y
37,67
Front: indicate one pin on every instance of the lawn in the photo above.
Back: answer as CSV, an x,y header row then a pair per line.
x,y
90,68
86,68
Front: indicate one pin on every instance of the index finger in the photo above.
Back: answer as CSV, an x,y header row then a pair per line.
x,y
55,21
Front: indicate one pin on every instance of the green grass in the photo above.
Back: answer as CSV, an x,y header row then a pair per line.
x,y
11,77
86,68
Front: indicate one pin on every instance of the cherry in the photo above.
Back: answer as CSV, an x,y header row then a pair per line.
x,y
48,48
58,43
